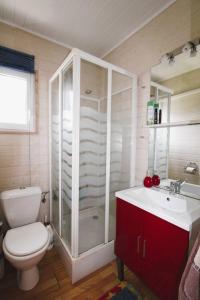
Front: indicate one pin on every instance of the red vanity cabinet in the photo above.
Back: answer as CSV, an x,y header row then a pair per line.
x,y
152,248
129,234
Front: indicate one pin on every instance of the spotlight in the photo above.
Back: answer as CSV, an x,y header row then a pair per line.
x,y
168,59
171,59
190,48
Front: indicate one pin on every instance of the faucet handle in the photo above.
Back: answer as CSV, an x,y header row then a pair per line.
x,y
178,186
179,181
175,186
172,184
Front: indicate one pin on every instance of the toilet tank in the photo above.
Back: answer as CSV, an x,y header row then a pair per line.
x,y
21,206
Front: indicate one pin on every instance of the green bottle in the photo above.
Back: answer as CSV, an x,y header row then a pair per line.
x,y
150,112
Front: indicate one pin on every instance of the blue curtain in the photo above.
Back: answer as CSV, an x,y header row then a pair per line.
x,y
17,60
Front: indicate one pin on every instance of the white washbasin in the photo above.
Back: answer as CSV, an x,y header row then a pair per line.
x,y
177,209
165,200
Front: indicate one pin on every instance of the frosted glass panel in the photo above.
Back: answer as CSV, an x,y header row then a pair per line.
x,y
93,132
55,151
67,105
121,141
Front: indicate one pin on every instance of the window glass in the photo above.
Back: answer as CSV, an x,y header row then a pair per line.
x,y
16,100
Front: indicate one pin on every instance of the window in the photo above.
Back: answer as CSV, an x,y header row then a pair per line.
x,y
17,109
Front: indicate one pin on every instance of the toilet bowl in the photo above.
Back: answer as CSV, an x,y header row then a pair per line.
x,y
25,243
24,247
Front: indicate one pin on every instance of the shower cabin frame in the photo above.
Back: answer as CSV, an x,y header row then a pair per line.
x,y
71,258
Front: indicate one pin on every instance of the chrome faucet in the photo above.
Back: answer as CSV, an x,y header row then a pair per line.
x,y
175,186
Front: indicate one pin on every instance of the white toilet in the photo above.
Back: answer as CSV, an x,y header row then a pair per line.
x,y
25,244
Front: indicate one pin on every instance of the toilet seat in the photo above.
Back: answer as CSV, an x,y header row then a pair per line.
x,y
26,240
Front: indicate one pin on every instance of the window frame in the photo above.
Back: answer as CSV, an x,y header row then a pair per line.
x,y
30,126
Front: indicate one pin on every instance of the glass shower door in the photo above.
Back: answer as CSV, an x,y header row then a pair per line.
x,y
55,151
66,155
120,141
92,170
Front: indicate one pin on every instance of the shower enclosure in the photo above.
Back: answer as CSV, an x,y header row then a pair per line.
x,y
92,150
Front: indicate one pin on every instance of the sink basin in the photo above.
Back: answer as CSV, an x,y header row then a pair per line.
x,y
177,209
165,200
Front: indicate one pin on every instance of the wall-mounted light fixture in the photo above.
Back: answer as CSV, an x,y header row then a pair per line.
x,y
168,58
190,48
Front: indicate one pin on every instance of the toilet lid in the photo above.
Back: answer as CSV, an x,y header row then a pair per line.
x,y
26,239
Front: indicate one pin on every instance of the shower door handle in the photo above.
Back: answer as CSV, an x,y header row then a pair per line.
x,y
144,249
138,243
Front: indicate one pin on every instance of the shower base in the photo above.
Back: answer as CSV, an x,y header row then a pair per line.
x,y
91,229
93,253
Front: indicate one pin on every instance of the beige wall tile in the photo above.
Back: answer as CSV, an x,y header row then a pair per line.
x,y
16,149
195,18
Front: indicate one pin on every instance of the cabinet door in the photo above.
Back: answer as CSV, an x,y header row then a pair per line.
x,y
166,248
129,235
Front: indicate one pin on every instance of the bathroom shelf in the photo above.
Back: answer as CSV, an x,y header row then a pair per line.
x,y
171,96
175,124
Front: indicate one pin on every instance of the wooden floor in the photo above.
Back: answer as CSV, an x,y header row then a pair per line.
x,y
56,285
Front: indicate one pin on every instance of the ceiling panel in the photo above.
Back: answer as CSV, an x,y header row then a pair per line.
x,y
95,26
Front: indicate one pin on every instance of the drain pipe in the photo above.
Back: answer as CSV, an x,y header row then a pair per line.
x,y
46,223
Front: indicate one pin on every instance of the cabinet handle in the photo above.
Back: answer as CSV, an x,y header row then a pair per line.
x,y
144,249
138,243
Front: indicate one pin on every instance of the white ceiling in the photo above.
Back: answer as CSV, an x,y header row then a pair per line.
x,y
183,64
96,26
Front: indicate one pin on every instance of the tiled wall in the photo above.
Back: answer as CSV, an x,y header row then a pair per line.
x,y
195,17
15,149
168,31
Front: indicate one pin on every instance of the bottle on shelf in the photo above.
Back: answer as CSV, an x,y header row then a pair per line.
x,y
156,113
150,112
160,116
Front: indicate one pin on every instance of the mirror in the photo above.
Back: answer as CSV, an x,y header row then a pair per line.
x,y
174,134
